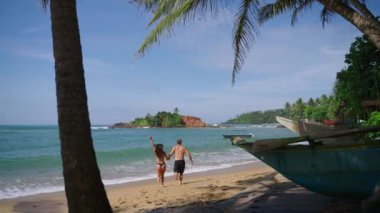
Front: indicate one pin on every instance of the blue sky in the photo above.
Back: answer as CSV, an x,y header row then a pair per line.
x,y
190,69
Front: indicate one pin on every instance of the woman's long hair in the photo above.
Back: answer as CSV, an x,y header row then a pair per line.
x,y
159,150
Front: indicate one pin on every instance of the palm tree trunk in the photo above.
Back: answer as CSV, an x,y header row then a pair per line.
x,y
366,22
83,185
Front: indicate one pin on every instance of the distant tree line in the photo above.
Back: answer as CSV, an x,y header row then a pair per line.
x,y
357,82
161,119
317,109
257,117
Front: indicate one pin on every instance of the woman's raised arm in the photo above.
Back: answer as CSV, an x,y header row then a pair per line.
x,y
151,142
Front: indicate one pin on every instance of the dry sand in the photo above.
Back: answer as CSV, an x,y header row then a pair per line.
x,y
248,188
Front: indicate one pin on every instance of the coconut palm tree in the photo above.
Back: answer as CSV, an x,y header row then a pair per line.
x,y
83,184
252,13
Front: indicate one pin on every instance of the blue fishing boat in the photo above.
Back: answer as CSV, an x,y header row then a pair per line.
x,y
348,170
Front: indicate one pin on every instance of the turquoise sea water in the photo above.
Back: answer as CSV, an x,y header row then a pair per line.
x,y
30,161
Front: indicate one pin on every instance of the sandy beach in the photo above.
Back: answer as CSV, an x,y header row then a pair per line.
x,y
248,188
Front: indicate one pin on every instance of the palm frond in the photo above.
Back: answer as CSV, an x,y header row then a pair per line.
x,y
170,12
302,5
164,8
326,15
166,24
271,10
44,3
203,7
244,33
150,5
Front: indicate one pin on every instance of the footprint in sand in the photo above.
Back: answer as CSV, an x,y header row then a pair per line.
x,y
121,201
212,188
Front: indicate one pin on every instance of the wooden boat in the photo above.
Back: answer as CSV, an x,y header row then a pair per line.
x,y
238,135
348,170
314,129
288,123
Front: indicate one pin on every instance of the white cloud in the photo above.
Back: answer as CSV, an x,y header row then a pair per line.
x,y
97,65
32,30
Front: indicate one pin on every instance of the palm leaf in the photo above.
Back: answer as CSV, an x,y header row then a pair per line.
x,y
244,31
306,4
45,3
166,24
164,8
326,15
148,4
280,6
171,12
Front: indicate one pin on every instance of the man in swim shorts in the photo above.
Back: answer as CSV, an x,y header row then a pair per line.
x,y
179,164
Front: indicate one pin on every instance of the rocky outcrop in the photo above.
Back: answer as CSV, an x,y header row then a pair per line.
x,y
191,121
121,125
188,121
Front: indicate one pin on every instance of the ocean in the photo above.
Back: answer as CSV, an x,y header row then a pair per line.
x,y
30,161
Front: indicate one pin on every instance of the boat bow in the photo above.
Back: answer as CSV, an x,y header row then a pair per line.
x,y
344,170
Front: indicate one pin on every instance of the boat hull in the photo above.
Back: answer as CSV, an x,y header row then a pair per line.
x,y
349,171
240,136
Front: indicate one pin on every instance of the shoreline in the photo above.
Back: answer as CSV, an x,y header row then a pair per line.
x,y
235,168
244,188
147,179
60,195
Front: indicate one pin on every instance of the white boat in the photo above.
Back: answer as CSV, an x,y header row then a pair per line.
x,y
311,128
288,123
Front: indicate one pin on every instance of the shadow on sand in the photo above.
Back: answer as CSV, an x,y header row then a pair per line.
x,y
264,194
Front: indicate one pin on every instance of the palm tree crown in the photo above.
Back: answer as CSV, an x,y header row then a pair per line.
x,y
251,13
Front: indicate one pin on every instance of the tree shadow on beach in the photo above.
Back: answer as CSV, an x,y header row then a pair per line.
x,y
41,206
265,194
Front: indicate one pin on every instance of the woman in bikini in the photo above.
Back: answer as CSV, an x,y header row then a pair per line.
x,y
160,160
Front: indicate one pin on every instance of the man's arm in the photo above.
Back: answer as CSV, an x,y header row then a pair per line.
x,y
189,156
172,152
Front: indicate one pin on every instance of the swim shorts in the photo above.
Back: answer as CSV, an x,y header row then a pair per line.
x,y
179,166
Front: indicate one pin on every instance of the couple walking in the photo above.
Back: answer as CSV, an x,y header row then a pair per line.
x,y
179,152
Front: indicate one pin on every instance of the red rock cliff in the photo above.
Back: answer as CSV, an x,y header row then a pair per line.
x,y
191,121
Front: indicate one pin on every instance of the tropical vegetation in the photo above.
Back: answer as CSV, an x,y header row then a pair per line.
x,y
257,117
251,13
317,109
357,82
373,120
161,119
